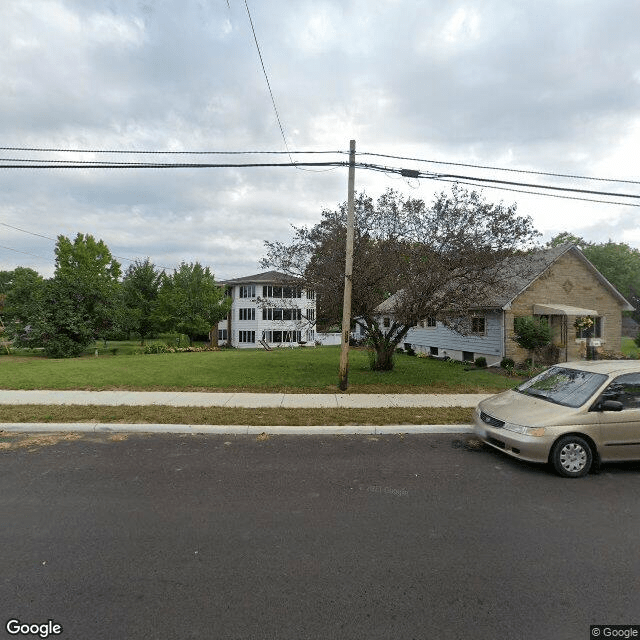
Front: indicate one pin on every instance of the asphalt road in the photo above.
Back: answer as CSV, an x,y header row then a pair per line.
x,y
310,537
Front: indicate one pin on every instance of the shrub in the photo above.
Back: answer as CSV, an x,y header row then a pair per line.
x,y
481,362
410,350
637,340
507,363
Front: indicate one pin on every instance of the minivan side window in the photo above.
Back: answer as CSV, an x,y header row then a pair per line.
x,y
625,389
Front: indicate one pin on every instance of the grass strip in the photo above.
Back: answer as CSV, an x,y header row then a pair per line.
x,y
233,416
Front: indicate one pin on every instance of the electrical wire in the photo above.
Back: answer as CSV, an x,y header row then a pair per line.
x,y
158,152
39,235
537,193
25,252
479,181
480,166
266,77
30,163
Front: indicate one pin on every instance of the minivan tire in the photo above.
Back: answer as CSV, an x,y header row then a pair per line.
x,y
572,457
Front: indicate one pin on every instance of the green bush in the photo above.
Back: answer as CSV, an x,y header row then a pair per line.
x,y
637,340
481,362
507,363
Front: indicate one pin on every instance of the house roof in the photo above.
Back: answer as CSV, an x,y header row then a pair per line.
x,y
524,270
520,272
268,277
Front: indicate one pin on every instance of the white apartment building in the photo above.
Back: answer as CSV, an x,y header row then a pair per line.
x,y
268,308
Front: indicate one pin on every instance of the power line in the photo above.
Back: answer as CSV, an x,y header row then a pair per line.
x,y
22,163
456,178
492,168
537,193
4,224
25,252
39,235
266,77
30,163
165,152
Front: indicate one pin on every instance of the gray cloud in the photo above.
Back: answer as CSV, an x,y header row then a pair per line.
x,y
546,85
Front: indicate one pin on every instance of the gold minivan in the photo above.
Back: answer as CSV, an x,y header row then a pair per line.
x,y
573,415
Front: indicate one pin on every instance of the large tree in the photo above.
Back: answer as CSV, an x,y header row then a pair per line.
x,y
20,301
140,288
191,302
78,304
420,261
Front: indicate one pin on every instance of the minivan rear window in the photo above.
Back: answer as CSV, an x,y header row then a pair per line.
x,y
568,387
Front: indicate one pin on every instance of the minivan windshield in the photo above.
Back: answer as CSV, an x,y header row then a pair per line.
x,y
568,387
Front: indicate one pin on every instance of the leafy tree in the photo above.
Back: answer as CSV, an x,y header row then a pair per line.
x,y
191,302
140,288
531,334
89,266
19,288
419,261
62,326
77,305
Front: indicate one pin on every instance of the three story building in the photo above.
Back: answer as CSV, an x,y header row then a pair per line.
x,y
268,309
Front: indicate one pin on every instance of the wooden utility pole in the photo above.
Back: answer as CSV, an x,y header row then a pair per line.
x,y
348,273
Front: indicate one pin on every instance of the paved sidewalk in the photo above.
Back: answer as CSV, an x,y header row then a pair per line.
x,y
243,400
246,400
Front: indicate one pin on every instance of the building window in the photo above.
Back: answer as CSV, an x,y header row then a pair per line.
x,y
433,351
281,314
467,356
222,334
595,331
247,314
311,335
311,294
386,322
248,291
269,291
428,323
246,336
478,326
311,315
282,336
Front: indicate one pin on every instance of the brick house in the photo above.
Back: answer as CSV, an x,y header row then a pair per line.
x,y
560,285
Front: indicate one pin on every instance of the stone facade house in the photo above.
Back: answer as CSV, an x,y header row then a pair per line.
x,y
560,284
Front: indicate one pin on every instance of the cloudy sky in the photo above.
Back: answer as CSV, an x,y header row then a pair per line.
x,y
547,86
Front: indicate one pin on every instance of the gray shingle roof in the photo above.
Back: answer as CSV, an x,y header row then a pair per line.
x,y
519,272
268,277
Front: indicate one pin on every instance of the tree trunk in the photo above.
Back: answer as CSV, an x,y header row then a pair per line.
x,y
383,358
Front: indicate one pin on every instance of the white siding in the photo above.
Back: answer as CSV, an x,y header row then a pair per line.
x,y
260,326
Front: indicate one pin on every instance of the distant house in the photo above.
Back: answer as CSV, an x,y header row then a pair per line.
x,y
561,285
268,307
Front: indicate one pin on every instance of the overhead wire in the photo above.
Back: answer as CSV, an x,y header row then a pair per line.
x,y
167,152
31,163
25,252
494,168
39,235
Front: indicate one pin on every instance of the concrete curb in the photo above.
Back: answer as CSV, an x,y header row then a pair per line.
x,y
86,427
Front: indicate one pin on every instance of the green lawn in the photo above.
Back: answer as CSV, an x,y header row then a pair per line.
x,y
629,348
280,370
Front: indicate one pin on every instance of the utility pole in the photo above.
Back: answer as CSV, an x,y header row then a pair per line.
x,y
348,273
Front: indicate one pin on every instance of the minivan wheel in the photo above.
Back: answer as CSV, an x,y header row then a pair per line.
x,y
572,457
